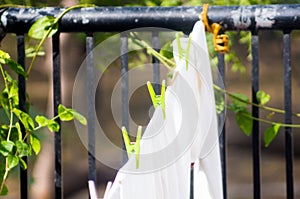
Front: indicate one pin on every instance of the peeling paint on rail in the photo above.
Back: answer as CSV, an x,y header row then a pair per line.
x,y
265,17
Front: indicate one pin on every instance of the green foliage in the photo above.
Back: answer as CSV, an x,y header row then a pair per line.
x,y
6,147
5,59
25,119
14,144
12,161
35,143
239,101
242,115
30,52
262,97
67,114
167,50
23,149
42,26
50,123
243,119
271,133
220,102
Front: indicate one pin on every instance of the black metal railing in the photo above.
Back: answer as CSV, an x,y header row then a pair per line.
x,y
284,18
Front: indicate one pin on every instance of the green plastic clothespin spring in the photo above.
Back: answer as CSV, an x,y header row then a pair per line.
x,y
133,147
158,100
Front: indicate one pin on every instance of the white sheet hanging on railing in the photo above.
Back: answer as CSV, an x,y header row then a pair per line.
x,y
189,133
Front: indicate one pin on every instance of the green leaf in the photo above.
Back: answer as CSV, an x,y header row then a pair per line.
x,y
22,164
9,78
17,68
3,57
23,149
220,102
53,126
243,119
42,121
39,29
18,127
25,119
4,102
35,143
79,117
240,100
12,161
167,50
262,97
65,114
6,147
30,52
13,94
271,133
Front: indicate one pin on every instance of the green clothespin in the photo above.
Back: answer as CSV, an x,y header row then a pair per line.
x,y
133,147
181,51
158,100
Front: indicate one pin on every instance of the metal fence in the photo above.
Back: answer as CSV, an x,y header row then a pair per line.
x,y
116,19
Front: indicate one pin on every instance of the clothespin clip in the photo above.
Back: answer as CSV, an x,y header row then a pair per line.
x,y
158,100
221,43
133,147
182,52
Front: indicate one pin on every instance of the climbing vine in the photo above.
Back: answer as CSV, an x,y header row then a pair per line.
x,y
239,102
18,136
18,133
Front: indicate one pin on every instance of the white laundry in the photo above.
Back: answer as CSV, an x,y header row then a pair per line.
x,y
189,133
207,151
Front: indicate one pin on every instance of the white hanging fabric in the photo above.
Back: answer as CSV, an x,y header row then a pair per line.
x,y
188,134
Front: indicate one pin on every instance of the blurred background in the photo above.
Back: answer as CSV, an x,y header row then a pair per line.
x,y
238,79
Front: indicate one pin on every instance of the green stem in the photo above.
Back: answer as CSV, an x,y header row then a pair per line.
x,y
165,61
13,6
39,127
25,137
5,175
272,109
11,121
57,19
270,122
9,102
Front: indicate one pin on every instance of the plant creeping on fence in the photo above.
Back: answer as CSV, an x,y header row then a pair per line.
x,y
46,27
15,144
239,102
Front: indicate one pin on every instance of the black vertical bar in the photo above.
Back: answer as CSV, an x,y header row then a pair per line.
x,y
22,107
192,182
288,114
155,62
255,113
91,106
124,86
56,102
222,138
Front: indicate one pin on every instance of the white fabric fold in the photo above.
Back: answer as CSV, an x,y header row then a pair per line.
x,y
188,134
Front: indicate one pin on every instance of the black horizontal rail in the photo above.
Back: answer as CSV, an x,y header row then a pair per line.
x,y
116,19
